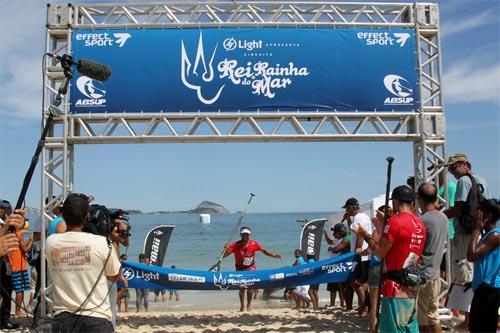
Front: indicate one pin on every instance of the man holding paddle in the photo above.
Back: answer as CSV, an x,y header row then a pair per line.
x,y
244,254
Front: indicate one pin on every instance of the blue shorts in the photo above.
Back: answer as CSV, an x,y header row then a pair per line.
x,y
20,281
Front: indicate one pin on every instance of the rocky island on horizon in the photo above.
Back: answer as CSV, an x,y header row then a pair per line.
x,y
205,207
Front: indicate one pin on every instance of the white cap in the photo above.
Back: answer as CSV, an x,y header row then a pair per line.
x,y
245,231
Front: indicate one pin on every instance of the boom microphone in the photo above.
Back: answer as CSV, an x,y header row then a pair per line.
x,y
89,68
93,70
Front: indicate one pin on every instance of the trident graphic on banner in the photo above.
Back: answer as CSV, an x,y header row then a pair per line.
x,y
208,71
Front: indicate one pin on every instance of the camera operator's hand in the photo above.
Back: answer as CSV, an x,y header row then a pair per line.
x,y
15,220
8,243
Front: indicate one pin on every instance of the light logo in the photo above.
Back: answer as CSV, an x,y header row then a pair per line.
x,y
158,232
128,273
229,44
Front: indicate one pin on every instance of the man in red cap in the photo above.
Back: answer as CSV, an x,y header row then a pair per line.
x,y
244,254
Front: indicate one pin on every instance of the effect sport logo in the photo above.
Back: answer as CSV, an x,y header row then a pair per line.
x,y
103,39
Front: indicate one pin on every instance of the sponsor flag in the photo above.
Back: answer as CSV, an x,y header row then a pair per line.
x,y
338,269
156,242
310,238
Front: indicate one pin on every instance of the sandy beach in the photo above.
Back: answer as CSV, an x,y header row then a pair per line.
x,y
259,320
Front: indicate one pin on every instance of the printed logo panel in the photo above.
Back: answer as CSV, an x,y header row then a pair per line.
x,y
248,69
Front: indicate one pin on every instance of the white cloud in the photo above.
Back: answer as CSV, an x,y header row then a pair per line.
x,y
460,24
466,82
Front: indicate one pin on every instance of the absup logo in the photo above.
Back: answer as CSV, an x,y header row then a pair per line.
x,y
92,89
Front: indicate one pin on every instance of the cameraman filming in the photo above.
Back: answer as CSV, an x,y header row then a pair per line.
x,y
78,263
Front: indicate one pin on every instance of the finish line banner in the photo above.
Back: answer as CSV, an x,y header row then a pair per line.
x,y
247,69
336,269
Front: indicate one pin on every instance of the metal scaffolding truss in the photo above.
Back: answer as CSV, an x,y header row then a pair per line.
x,y
240,13
425,127
221,127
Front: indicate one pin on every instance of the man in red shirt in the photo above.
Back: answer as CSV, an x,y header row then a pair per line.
x,y
244,254
401,246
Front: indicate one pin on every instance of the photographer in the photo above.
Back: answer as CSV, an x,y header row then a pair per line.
x,y
78,264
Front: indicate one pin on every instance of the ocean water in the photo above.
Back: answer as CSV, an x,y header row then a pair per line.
x,y
194,245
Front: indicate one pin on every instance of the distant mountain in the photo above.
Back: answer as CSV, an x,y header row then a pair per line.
x,y
208,207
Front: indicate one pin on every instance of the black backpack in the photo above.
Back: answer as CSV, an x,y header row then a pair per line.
x,y
474,198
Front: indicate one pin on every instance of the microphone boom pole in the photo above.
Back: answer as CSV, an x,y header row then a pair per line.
x,y
88,68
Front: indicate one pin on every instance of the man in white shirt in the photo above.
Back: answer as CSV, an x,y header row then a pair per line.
x,y
355,218
79,264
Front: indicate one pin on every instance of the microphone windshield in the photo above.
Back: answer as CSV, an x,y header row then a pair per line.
x,y
93,70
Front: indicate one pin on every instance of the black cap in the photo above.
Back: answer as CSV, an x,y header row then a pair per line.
x,y
4,204
351,201
403,193
338,227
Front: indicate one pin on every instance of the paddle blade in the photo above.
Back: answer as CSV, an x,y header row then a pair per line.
x,y
215,268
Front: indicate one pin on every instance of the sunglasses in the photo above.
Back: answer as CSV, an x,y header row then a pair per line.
x,y
453,167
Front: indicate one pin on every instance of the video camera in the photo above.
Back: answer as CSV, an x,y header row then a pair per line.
x,y
102,221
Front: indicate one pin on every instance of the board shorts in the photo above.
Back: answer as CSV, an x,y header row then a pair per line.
x,y
398,315
374,275
126,295
361,271
20,281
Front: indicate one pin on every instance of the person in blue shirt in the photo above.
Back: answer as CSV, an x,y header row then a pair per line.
x,y
57,225
485,254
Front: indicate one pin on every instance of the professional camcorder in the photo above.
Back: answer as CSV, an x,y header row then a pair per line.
x,y
102,221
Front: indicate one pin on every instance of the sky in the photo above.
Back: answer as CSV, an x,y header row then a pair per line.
x,y
286,177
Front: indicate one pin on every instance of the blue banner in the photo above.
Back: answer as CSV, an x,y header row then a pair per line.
x,y
337,269
247,69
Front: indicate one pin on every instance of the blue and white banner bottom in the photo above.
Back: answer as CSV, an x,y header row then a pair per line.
x,y
336,269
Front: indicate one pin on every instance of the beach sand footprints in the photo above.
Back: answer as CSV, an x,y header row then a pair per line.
x,y
261,320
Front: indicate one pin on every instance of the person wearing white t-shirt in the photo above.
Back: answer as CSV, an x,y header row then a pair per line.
x,y
79,265
355,219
